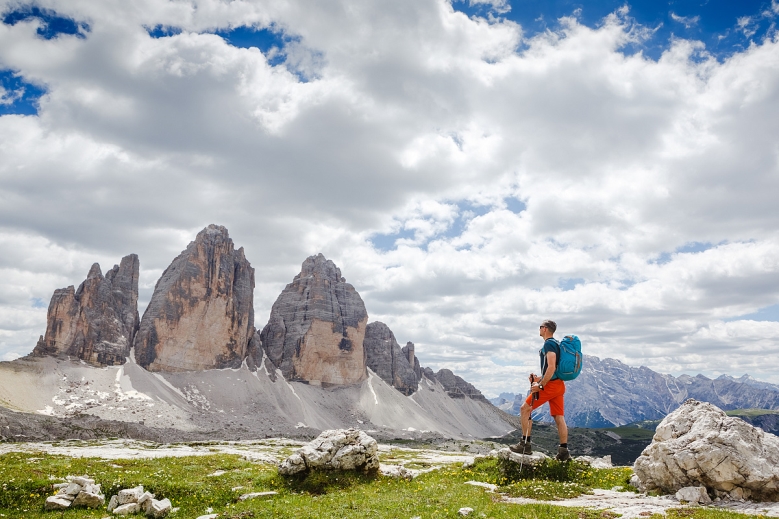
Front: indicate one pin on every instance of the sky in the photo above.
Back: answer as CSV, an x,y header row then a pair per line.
x,y
473,167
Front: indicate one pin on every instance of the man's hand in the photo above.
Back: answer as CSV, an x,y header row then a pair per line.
x,y
534,387
534,378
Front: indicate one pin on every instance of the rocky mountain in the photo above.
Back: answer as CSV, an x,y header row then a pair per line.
x,y
395,365
609,393
96,323
201,314
317,327
316,365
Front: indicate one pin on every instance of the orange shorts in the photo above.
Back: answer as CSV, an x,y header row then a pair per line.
x,y
553,393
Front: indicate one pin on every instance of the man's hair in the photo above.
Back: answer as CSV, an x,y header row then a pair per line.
x,y
550,325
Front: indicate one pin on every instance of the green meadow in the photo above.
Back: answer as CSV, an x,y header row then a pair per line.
x,y
198,485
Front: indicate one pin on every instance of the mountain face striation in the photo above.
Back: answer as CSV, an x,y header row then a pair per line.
x,y
317,326
201,315
456,387
609,393
96,323
393,364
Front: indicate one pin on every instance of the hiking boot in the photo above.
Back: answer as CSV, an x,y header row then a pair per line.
x,y
563,454
522,447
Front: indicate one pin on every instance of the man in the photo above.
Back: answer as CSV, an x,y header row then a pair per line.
x,y
550,389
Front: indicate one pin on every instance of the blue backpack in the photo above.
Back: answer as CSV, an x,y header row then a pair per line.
x,y
570,364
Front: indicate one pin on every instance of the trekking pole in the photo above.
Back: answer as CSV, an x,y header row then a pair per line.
x,y
534,398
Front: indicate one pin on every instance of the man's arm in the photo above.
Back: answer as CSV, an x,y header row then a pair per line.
x,y
551,357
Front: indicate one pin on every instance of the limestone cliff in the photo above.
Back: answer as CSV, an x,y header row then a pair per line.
x,y
386,358
456,387
201,315
317,327
96,323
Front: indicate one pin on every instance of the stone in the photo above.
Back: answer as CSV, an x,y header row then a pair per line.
x,y
89,499
130,495
253,495
317,327
83,481
398,472
96,323
693,495
208,516
159,508
56,503
455,387
386,358
127,509
71,490
339,449
465,511
201,314
699,445
113,503
595,462
523,459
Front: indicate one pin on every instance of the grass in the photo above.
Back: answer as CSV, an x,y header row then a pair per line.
x,y
632,433
26,480
750,412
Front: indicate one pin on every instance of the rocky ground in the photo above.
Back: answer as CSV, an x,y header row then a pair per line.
x,y
628,504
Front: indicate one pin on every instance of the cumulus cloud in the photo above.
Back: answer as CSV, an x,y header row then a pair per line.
x,y
468,180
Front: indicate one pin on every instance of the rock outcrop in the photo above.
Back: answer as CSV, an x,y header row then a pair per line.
x,y
456,387
78,491
339,449
96,323
317,326
201,315
699,445
386,358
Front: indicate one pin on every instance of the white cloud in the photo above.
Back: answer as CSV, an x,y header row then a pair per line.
x,y
687,21
413,116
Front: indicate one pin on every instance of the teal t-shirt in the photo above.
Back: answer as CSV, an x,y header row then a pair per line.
x,y
550,344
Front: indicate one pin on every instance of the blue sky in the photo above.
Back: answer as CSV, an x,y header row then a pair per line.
x,y
472,167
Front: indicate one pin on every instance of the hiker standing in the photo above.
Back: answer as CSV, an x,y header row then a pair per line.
x,y
549,388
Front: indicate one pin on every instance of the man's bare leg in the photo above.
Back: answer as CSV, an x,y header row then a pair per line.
x,y
562,428
526,420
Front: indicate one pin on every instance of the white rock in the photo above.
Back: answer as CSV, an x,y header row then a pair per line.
x,y
465,511
159,508
209,516
489,486
58,486
693,495
252,495
72,489
113,503
340,449
524,459
130,495
146,496
56,503
398,471
89,499
595,462
699,445
83,481
127,509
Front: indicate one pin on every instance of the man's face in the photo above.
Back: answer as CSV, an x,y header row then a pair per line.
x,y
541,330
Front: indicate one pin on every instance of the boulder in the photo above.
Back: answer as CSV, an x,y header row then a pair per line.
x,y
201,314
317,327
96,323
699,445
340,449
127,509
386,358
157,508
89,499
56,503
693,495
129,495
520,459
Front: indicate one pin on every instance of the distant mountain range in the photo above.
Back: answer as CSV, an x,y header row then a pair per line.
x,y
609,393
